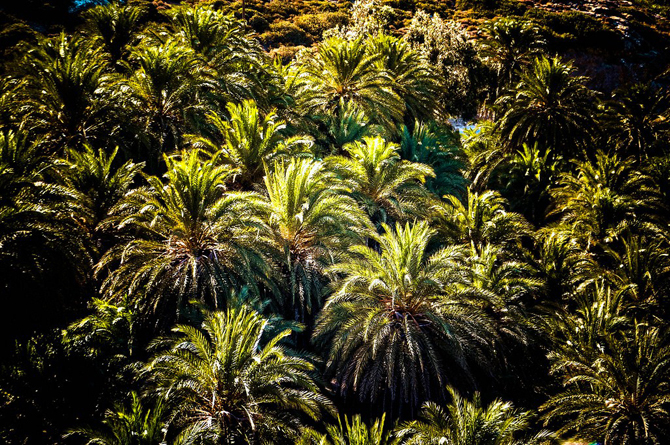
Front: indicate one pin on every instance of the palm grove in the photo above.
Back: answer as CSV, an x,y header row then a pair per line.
x,y
200,244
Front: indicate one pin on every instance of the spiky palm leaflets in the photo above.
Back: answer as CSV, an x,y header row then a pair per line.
x,y
438,148
345,71
250,141
66,90
617,390
193,241
388,188
549,106
393,331
312,222
227,383
469,422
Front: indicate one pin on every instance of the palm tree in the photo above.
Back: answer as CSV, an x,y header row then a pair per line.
x,y
250,141
639,118
550,107
345,71
482,218
510,44
352,432
224,382
100,187
164,90
387,187
466,422
192,241
115,26
65,81
437,147
415,82
603,199
135,424
618,393
393,332
312,222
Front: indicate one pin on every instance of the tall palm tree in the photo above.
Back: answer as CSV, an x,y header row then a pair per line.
x,y
250,141
312,223
65,81
618,393
115,25
603,199
393,332
415,82
388,188
192,241
509,44
482,218
165,89
466,422
226,382
344,70
549,106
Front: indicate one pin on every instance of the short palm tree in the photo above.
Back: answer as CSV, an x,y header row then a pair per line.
x,y
549,106
193,240
466,422
388,188
344,70
250,141
351,432
393,332
312,223
224,381
618,393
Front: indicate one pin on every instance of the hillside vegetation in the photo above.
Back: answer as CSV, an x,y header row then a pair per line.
x,y
334,223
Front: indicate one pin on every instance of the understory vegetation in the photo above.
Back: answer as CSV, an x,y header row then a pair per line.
x,y
207,241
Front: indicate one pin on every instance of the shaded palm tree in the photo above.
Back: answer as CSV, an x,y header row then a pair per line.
x,y
509,44
66,88
115,26
550,107
618,392
603,199
345,71
163,91
250,141
393,332
192,241
414,80
312,223
482,218
387,187
465,422
437,147
228,384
